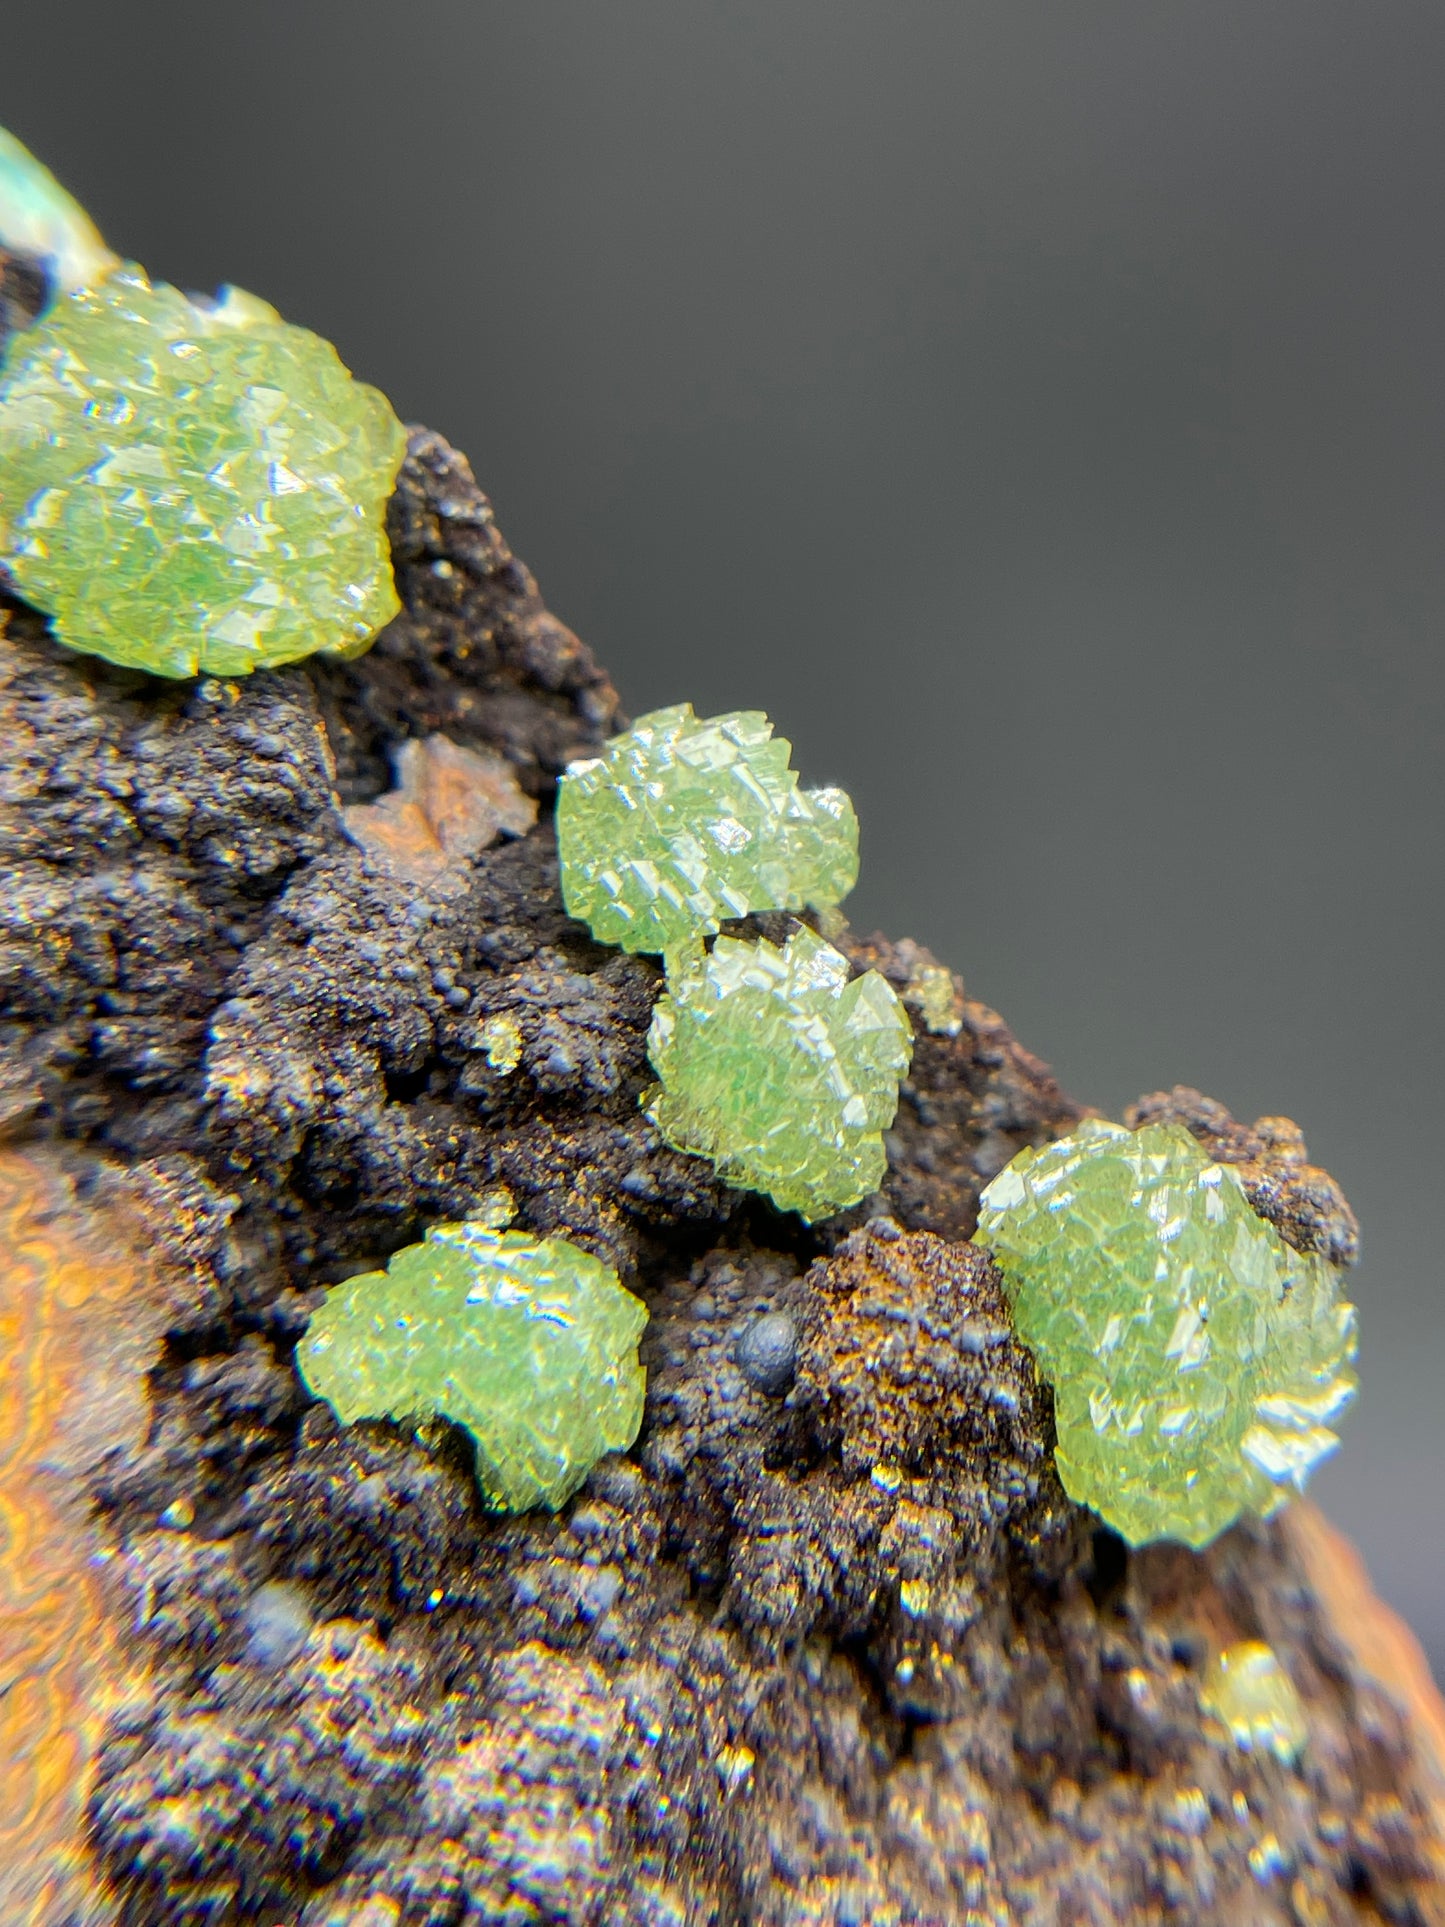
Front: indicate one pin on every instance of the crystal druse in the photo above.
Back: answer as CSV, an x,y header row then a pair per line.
x,y
772,1064
1198,1362
223,462
684,822
780,1070
530,1344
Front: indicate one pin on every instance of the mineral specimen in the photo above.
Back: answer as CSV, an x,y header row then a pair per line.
x,y
778,1069
38,217
1251,1693
1197,1360
685,822
530,1344
223,463
962,1705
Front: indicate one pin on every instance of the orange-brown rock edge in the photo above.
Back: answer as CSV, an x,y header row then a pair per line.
x,y
73,1352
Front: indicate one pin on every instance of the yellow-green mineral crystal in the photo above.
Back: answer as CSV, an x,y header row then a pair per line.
x,y
779,1069
685,822
187,487
1198,1361
1248,1691
531,1344
39,218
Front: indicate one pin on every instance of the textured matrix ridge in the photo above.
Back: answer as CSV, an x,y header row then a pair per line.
x,y
685,822
781,1071
530,1344
224,464
1197,1360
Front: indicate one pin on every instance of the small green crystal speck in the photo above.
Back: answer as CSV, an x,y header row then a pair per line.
x,y
778,1069
684,822
531,1344
1198,1361
226,470
1248,1691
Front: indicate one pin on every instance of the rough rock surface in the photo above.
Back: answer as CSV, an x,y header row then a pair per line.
x,y
1304,1203
829,1645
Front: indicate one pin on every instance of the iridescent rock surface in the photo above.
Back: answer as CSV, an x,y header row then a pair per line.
x,y
39,218
686,821
223,463
1198,1362
531,1344
1250,1692
780,1070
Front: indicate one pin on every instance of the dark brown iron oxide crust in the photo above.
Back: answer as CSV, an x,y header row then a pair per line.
x,y
830,1645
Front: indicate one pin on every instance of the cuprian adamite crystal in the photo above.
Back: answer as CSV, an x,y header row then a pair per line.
x,y
187,487
779,1069
1198,1362
1250,1692
38,217
684,822
531,1344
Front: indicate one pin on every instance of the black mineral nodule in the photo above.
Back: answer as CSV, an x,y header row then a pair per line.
x,y
768,1353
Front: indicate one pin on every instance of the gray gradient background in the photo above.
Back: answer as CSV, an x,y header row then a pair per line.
x,y
1039,410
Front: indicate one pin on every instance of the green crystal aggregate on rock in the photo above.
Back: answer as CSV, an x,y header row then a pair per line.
x,y
531,1344
500,1039
930,990
685,822
1197,1360
188,487
38,217
1248,1691
779,1069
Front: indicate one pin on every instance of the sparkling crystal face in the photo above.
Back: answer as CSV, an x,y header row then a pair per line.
x,y
778,1069
1250,1692
1198,1362
685,822
531,1344
225,466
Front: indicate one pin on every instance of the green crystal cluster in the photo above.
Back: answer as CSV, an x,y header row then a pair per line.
x,y
531,1344
1248,1691
188,487
772,1064
780,1070
685,822
1197,1360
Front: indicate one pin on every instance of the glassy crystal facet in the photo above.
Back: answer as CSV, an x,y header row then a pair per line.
x,y
779,1069
188,487
1198,1361
531,1344
685,822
